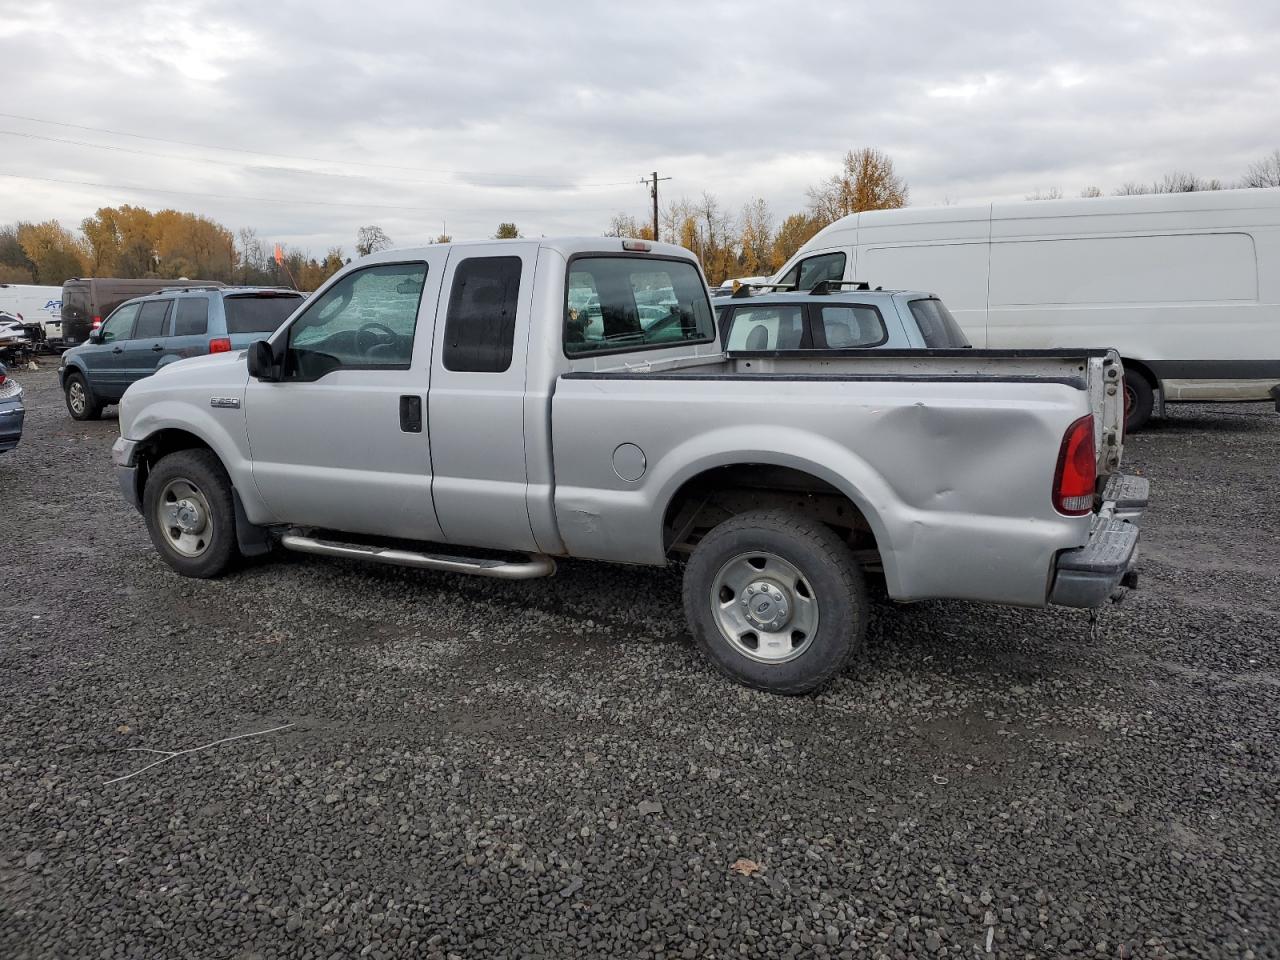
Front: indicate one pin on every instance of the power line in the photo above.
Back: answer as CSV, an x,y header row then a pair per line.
x,y
240,197
286,156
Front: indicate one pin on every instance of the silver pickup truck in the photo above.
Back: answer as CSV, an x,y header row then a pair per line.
x,y
487,407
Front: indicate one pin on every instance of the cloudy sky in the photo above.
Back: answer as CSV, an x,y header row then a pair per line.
x,y
308,120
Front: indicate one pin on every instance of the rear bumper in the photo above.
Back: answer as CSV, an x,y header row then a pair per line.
x,y
1091,575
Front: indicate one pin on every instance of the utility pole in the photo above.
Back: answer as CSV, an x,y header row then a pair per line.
x,y
653,192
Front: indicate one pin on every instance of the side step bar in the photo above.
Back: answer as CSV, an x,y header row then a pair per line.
x,y
537,565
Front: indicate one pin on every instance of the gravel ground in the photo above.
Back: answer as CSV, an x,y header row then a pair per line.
x,y
480,769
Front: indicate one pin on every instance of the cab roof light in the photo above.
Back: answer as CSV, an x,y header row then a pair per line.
x,y
637,246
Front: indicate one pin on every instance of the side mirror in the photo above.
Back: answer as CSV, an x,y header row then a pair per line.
x,y
95,336
262,361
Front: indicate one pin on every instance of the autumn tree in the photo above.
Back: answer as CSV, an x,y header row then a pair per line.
x,y
755,238
14,265
1090,192
55,251
625,225
866,182
797,230
507,231
1264,173
371,239
443,238
1053,193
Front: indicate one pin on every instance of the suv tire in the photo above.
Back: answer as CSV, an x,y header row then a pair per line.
x,y
189,513
81,403
776,601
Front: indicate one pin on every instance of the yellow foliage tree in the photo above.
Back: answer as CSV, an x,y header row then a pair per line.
x,y
867,181
54,250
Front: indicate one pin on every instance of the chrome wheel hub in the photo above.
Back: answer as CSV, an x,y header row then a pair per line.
x,y
183,516
77,397
765,607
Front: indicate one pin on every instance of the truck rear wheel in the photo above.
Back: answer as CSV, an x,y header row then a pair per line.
x,y
776,601
1139,400
189,512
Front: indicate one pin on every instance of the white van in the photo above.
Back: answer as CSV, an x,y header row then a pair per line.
x,y
1185,286
35,304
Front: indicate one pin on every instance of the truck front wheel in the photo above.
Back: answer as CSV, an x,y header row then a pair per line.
x,y
776,601
189,512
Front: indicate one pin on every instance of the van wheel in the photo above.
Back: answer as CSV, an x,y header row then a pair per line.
x,y
1139,400
776,601
189,513
80,401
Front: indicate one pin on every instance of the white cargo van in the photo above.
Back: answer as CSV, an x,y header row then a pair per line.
x,y
35,304
1185,286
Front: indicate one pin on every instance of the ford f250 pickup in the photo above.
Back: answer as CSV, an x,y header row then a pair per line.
x,y
487,407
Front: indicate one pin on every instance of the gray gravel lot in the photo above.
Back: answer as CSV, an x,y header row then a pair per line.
x,y
479,769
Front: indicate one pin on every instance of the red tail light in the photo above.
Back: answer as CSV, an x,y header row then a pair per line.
x,y
2,378
1077,472
220,345
97,322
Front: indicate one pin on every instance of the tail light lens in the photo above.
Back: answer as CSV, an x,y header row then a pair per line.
x,y
3,378
220,345
97,322
1077,473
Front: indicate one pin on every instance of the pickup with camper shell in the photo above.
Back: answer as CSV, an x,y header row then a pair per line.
x,y
487,407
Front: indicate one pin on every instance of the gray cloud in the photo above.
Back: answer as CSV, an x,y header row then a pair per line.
x,y
548,114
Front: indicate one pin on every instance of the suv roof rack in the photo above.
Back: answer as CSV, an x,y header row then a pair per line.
x,y
744,289
823,287
192,288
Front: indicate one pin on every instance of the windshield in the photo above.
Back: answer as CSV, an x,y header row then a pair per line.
x,y
259,313
937,326
629,303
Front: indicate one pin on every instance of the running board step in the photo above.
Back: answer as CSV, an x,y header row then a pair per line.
x,y
536,565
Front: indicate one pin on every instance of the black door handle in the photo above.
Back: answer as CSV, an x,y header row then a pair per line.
x,y
410,414
157,348
117,349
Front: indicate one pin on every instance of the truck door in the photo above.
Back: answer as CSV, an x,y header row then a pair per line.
x,y
477,396
342,441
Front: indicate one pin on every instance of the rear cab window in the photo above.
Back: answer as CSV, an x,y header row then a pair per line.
x,y
851,326
766,327
938,327
616,304
258,312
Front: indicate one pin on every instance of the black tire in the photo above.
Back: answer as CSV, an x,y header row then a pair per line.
x,y
203,472
1139,400
824,562
88,408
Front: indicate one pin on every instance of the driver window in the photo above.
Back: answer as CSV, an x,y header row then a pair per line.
x,y
119,325
365,321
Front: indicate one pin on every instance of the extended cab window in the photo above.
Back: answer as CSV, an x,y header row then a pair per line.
x,y
480,328
633,303
766,328
849,327
365,321
825,266
119,325
937,326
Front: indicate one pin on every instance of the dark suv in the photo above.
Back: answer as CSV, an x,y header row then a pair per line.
x,y
146,333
